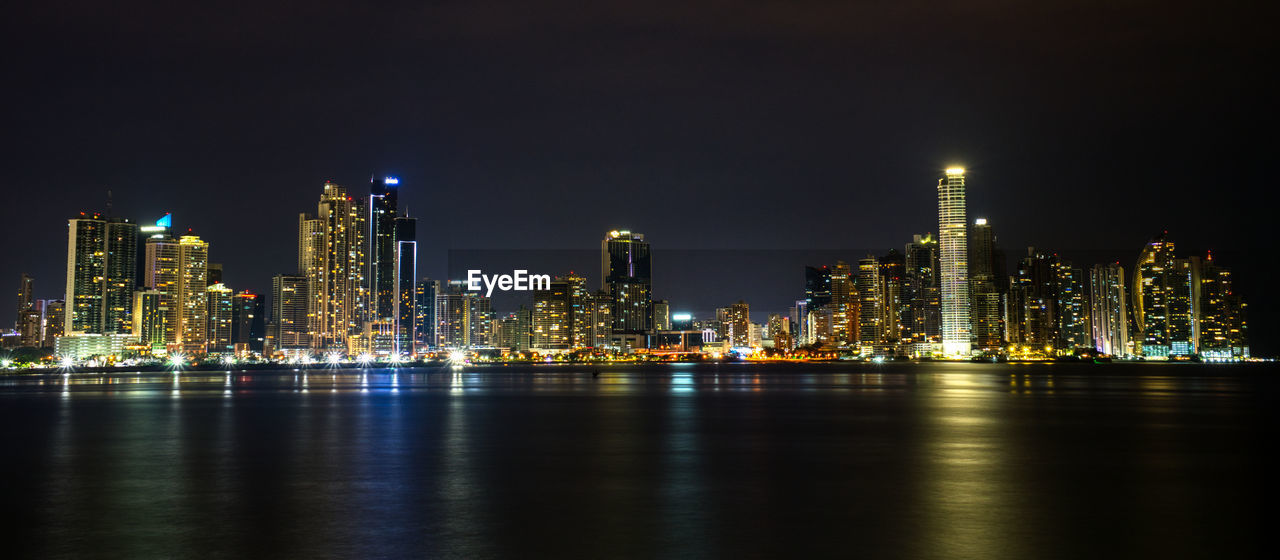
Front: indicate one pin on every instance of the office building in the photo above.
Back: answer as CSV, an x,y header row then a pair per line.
x,y
625,270
405,293
331,253
1110,310
290,305
953,276
101,274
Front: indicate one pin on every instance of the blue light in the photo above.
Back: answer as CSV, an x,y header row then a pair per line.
x,y
166,221
390,181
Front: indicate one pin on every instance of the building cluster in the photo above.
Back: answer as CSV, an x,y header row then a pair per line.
x,y
953,296
137,291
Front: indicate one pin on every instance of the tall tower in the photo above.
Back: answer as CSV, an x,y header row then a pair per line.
x,y
192,300
406,269
1110,319
221,304
331,253
954,257
383,248
625,269
102,261
920,291
985,281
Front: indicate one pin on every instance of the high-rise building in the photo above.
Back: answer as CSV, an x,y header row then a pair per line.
x,y
248,323
553,316
53,315
29,324
1163,300
1223,329
101,274
425,291
661,315
923,317
331,253
870,301
779,331
383,248
1072,307
405,295
149,316
953,255
739,324
1031,303
985,283
464,319
843,303
625,269
1110,310
290,305
221,302
892,275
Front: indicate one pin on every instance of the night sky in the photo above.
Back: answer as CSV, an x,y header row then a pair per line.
x,y
1085,126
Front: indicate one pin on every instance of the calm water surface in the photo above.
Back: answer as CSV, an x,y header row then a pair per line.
x,y
733,460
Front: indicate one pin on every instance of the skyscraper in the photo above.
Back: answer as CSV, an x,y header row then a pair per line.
x,y
625,270
870,305
149,316
1163,300
892,277
331,253
248,323
425,291
739,325
553,316
383,248
985,281
954,254
406,270
924,314
221,302
843,301
192,294
290,304
1109,317
101,274
29,324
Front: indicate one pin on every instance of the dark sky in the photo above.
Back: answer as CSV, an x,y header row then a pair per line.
x,y
1086,126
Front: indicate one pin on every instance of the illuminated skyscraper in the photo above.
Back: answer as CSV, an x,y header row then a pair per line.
x,y
870,305
383,248
248,323
221,301
101,274
426,291
1164,300
985,283
149,316
923,316
29,323
625,270
289,306
739,324
843,302
954,254
331,253
1110,316
192,300
406,270
892,277
553,316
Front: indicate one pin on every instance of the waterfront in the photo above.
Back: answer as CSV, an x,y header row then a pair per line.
x,y
840,459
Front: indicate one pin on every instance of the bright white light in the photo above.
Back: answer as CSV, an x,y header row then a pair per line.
x,y
68,362
391,181
955,171
980,222
333,357
364,358
177,359
457,356
229,360
395,358
5,363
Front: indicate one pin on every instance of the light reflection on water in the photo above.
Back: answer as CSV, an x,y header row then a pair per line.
x,y
936,460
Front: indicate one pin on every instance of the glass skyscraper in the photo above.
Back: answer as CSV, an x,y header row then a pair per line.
x,y
954,254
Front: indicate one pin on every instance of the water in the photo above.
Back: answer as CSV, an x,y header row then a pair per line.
x,y
734,460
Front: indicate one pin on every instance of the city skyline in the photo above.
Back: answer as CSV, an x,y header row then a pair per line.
x,y
1045,308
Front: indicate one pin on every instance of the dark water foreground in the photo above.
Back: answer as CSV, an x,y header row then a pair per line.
x,y
899,460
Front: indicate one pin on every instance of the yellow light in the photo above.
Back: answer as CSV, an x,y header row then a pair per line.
x,y
955,171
